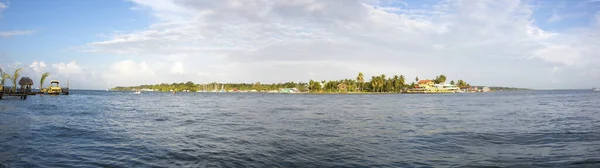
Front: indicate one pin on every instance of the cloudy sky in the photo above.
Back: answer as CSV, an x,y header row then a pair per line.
x,y
97,44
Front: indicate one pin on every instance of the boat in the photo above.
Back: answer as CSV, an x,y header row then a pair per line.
x,y
137,92
595,89
54,89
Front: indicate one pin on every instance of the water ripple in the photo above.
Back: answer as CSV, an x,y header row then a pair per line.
x,y
120,129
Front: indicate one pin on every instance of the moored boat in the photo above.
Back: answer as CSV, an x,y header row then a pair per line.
x,y
54,89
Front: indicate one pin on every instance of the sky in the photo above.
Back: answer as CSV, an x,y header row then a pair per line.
x,y
99,44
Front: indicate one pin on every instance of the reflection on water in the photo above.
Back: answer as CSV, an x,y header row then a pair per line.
x,y
121,129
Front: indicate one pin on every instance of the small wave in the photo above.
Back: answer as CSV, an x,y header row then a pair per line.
x,y
161,119
506,138
589,162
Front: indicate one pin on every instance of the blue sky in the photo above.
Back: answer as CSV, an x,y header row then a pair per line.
x,y
104,43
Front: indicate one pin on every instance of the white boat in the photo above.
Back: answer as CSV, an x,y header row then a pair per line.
x,y
595,89
137,92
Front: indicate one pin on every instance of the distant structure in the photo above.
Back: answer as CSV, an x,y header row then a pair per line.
x,y
485,89
25,83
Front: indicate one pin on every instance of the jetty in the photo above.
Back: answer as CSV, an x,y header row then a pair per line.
x,y
22,92
25,90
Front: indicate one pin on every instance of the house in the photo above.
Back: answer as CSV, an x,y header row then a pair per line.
x,y
288,90
425,85
470,89
485,89
342,87
429,86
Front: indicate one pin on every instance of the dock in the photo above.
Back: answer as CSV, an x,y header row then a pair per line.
x,y
25,89
7,91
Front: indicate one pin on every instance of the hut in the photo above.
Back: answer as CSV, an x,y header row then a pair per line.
x,y
26,84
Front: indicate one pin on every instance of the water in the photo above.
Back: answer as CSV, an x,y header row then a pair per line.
x,y
121,129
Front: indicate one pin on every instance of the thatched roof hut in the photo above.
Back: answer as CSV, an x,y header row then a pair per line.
x,y
25,81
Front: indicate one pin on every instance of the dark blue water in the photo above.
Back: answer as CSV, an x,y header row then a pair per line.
x,y
120,129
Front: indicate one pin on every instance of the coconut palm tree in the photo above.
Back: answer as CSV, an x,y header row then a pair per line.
x,y
396,83
1,79
360,79
402,80
15,77
44,76
4,77
374,84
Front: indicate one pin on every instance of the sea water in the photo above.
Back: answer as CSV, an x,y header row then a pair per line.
x,y
122,129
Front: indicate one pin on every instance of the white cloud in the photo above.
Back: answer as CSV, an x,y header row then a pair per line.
x,y
2,6
15,33
38,67
177,68
128,71
278,40
68,69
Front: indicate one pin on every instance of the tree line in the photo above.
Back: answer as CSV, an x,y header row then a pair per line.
x,y
192,87
381,83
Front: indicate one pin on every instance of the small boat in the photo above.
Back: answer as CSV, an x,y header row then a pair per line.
x,y
137,92
54,89
595,89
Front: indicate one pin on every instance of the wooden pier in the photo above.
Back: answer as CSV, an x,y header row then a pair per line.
x,y
8,91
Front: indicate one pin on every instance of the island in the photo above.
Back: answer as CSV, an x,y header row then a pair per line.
x,y
376,84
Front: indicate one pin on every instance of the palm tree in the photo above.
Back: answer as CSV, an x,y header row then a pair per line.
x,y
417,79
374,84
4,77
360,79
44,76
382,82
396,83
15,77
402,79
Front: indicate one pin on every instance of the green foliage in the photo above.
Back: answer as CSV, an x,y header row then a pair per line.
x,y
462,83
4,77
314,86
44,76
360,81
15,77
380,83
440,79
178,87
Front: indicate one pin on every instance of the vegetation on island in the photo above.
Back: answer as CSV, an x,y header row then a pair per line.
x,y
379,84
496,88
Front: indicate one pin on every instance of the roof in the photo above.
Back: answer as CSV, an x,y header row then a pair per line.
x,y
25,81
425,81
